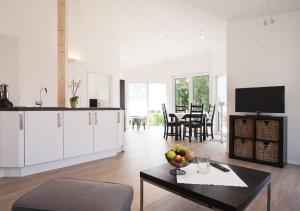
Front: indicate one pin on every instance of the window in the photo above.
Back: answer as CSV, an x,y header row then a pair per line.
x,y
182,92
193,89
201,90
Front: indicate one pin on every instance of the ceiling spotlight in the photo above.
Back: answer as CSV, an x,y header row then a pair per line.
x,y
161,36
202,37
125,58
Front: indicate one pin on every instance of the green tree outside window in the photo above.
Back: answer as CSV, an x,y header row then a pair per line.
x,y
182,92
201,90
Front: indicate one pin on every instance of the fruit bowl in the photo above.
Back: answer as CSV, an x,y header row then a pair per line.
x,y
179,157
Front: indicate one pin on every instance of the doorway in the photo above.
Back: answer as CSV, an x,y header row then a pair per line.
x,y
145,102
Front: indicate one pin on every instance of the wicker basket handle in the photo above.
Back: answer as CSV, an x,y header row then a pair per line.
x,y
266,144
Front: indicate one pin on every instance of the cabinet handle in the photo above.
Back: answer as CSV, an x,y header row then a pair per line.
x,y
58,120
118,117
90,119
21,121
96,118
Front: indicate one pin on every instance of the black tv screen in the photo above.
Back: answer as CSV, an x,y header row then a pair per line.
x,y
260,99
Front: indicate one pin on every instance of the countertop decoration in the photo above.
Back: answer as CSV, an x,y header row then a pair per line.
x,y
74,99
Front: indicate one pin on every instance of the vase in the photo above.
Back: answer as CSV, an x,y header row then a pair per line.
x,y
74,103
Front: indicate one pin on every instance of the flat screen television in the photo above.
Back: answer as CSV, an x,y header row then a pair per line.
x,y
260,99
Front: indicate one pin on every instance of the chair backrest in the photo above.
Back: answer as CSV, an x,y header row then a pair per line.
x,y
180,109
165,113
196,113
196,109
211,112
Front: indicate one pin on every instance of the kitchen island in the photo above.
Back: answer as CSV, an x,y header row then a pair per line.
x,y
37,139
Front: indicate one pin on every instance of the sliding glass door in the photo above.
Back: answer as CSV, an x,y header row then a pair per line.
x,y
137,100
157,95
145,101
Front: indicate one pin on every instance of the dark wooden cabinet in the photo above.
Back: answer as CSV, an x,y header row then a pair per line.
x,y
260,139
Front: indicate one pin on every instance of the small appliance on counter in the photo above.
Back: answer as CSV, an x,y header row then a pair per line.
x,y
93,103
4,97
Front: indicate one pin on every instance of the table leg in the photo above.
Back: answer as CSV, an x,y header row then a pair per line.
x,y
176,133
141,194
204,130
269,197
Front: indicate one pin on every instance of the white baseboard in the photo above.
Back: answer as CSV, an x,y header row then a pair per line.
x,y
293,162
34,169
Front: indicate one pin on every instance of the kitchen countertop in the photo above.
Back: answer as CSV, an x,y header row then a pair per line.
x,y
20,108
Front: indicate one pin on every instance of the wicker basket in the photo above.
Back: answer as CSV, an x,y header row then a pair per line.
x,y
243,148
267,151
267,130
244,128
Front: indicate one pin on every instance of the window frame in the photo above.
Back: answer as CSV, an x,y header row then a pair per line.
x,y
191,86
174,80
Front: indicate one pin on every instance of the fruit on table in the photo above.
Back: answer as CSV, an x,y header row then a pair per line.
x,y
189,156
182,152
178,158
179,147
173,162
171,154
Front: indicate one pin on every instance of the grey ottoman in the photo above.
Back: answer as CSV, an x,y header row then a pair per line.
x,y
76,195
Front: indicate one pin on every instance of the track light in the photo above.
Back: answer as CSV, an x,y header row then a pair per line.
x,y
270,19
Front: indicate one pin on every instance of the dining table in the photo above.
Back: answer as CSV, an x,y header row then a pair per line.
x,y
176,117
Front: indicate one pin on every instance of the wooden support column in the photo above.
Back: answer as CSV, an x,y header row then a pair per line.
x,y
62,51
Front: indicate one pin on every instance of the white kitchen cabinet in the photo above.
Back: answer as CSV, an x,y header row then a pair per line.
x,y
121,129
11,139
78,133
43,136
105,130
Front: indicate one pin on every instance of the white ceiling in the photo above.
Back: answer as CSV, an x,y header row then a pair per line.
x,y
158,30
152,31
237,9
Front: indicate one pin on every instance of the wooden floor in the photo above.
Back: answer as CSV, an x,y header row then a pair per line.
x,y
146,149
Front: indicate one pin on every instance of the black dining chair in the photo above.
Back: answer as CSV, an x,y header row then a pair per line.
x,y
173,125
210,120
180,109
193,124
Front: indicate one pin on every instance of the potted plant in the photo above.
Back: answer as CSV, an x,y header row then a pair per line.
x,y
74,99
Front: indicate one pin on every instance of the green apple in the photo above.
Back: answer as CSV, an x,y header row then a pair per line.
x,y
171,154
179,147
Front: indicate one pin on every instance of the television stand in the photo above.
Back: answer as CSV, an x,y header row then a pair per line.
x,y
259,139
258,114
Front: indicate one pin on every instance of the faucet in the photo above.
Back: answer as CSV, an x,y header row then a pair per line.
x,y
40,102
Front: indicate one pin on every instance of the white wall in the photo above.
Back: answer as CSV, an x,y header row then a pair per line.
x,y
166,71
9,65
33,23
94,44
268,56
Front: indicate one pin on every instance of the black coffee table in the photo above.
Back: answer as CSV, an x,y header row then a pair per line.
x,y
217,197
